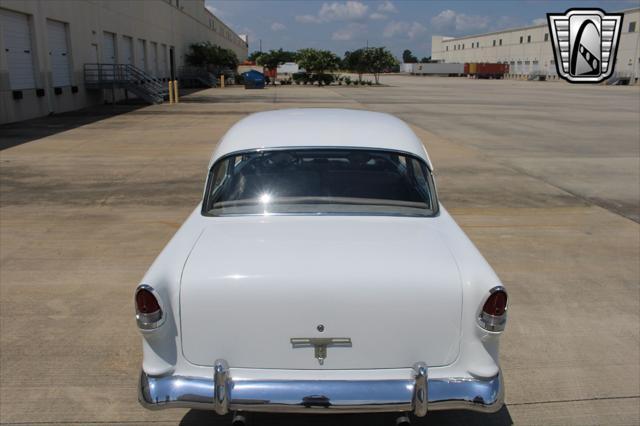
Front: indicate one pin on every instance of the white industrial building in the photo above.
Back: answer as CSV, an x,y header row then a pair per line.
x,y
529,50
46,44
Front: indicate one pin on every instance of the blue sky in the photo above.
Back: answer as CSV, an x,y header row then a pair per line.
x,y
346,25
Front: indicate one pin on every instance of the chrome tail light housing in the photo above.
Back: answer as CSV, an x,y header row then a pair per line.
x,y
149,308
493,315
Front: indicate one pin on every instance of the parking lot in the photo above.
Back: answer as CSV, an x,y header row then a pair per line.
x,y
543,176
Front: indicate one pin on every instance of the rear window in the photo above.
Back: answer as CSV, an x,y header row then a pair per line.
x,y
320,181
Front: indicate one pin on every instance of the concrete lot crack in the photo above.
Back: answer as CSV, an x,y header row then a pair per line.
x,y
564,401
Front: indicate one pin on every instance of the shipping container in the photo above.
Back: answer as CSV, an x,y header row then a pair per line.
x,y
486,70
438,68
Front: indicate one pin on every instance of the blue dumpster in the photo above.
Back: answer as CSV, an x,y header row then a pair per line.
x,y
253,79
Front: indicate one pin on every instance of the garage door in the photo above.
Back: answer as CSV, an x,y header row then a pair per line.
x,y
109,48
141,55
163,61
58,53
153,59
17,45
127,50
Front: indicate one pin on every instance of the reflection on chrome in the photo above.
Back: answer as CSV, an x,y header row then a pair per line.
x,y
265,198
313,396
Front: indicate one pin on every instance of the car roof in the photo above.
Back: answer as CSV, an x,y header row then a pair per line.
x,y
320,127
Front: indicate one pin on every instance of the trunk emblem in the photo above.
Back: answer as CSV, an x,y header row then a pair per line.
x,y
320,345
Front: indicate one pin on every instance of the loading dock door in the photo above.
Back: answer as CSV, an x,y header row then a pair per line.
x,y
17,46
109,48
141,55
163,61
58,54
127,50
153,59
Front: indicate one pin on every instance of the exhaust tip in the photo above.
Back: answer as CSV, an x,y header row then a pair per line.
x,y
403,421
239,420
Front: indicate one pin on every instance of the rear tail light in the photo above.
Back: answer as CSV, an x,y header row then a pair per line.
x,y
493,316
149,313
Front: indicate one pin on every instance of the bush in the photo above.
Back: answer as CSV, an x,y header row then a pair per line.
x,y
300,77
324,79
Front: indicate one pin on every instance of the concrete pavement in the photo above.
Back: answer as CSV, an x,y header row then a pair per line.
x,y
544,177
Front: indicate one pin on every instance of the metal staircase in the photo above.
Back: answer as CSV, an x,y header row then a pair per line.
x,y
619,79
196,76
125,76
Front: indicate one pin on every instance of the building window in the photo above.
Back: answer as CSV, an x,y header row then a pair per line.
x,y
527,62
462,46
528,39
446,48
521,38
500,42
546,36
632,27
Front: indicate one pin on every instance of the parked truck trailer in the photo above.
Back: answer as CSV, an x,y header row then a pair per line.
x,y
486,70
437,68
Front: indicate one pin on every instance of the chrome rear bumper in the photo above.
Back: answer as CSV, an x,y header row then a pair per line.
x,y
222,394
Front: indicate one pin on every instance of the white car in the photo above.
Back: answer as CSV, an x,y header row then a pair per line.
x,y
321,274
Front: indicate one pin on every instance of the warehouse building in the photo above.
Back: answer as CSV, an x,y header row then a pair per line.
x,y
45,46
529,50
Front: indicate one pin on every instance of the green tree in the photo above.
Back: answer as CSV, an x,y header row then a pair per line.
x,y
408,58
273,58
318,61
378,60
355,62
253,56
425,60
210,55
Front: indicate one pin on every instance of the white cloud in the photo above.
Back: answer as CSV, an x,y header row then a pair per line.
x,y
539,21
377,16
307,19
277,26
449,20
212,9
349,33
387,7
404,29
329,12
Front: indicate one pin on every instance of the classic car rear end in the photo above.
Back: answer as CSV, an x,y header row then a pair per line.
x,y
320,274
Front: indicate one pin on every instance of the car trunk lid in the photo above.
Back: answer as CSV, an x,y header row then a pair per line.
x,y
389,284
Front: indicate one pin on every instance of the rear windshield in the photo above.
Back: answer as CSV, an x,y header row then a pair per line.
x,y
320,181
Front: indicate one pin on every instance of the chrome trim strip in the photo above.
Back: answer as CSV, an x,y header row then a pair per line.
x,y
435,209
322,396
